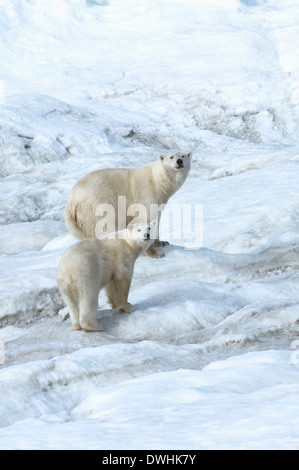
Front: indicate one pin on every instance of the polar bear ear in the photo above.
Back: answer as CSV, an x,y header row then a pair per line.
x,y
161,157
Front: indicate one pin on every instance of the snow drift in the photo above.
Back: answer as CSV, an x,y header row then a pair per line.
x,y
99,84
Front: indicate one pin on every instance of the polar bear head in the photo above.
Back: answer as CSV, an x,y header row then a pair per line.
x,y
177,162
143,232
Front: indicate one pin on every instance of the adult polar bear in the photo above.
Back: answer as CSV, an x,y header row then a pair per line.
x,y
151,184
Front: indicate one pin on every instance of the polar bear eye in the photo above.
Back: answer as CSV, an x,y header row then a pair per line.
x,y
139,230
171,158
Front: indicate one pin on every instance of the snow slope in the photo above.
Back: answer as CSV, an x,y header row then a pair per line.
x,y
208,359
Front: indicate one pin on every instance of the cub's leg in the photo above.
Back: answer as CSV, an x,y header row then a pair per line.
x,y
71,297
122,287
88,307
74,314
160,243
111,294
152,253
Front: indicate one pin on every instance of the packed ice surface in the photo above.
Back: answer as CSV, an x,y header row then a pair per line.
x,y
210,356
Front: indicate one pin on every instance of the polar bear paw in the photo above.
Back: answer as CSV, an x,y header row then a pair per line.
x,y
160,243
126,308
151,253
91,325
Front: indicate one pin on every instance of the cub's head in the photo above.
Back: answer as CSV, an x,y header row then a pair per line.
x,y
142,233
176,162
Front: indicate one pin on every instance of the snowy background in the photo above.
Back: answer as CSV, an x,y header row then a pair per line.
x,y
210,357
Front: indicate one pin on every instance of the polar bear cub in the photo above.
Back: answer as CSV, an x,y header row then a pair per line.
x,y
93,264
147,186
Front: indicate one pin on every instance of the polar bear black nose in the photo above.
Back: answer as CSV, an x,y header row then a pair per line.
x,y
179,162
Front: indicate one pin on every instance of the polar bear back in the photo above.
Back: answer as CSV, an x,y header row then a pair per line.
x,y
153,183
137,184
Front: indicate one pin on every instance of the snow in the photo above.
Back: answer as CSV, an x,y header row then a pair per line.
x,y
209,357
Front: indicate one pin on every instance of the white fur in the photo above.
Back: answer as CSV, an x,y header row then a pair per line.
x,y
92,264
151,184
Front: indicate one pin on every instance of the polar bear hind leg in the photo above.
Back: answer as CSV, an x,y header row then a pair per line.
x,y
70,295
88,308
160,243
74,313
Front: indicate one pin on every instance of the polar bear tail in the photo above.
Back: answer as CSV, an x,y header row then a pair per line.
x,y
72,220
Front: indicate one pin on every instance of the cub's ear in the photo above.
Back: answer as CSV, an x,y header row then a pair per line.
x,y
161,157
189,155
131,226
154,222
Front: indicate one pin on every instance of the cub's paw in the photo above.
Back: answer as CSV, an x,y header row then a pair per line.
x,y
112,303
127,308
91,326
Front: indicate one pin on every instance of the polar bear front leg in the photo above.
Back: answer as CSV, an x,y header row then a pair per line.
x,y
160,243
122,287
111,294
152,253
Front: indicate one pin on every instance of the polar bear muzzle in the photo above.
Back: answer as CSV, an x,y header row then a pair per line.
x,y
179,163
